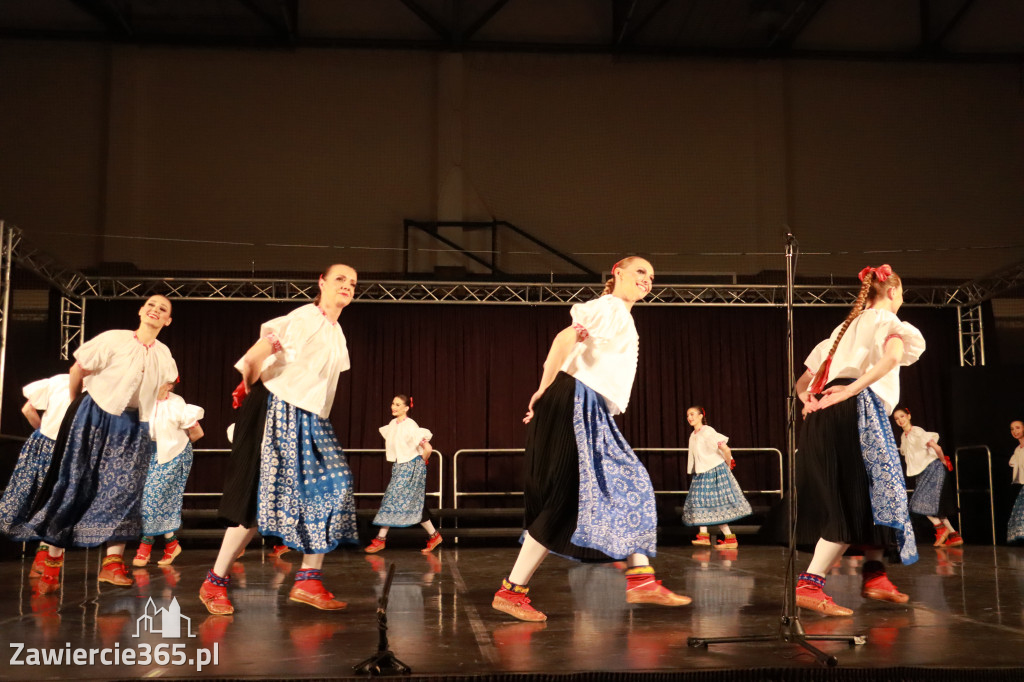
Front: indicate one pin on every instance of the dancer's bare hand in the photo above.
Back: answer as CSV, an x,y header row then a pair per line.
x,y
810,405
529,410
835,395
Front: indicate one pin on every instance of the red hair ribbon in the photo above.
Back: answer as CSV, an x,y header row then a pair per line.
x,y
410,402
882,272
819,385
615,266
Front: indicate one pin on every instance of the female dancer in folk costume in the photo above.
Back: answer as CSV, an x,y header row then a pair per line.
x,y
404,503
714,497
1015,528
174,426
849,480
588,497
287,474
52,397
933,496
93,490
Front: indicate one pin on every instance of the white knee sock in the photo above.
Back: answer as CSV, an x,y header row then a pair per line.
x,y
531,554
825,555
429,527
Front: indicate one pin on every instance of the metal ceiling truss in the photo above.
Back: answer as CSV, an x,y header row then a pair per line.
x,y
454,24
77,289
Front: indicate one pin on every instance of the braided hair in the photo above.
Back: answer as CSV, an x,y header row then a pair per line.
x,y
871,289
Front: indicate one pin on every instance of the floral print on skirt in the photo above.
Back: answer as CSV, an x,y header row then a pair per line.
x,y
403,500
715,497
28,475
617,513
305,490
97,494
165,486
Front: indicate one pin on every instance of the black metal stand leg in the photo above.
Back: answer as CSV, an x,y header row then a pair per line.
x,y
790,629
383,662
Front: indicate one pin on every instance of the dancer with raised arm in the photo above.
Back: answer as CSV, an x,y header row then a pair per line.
x,y
849,481
588,497
287,474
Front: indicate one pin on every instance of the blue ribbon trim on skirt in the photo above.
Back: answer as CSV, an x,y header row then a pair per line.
x,y
888,489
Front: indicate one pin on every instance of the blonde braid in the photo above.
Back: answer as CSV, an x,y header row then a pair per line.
x,y
858,308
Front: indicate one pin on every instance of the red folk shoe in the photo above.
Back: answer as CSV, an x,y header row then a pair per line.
x,y
314,593
114,571
729,542
941,533
512,599
813,597
432,542
172,550
142,555
279,550
702,540
643,588
37,563
954,540
375,546
49,581
215,599
878,586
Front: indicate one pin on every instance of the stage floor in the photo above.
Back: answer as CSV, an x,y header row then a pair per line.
x,y
966,611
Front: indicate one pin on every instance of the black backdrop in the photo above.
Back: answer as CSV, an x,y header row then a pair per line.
x,y
472,368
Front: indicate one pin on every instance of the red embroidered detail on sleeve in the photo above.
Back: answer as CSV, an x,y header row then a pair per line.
x,y
581,332
275,342
890,337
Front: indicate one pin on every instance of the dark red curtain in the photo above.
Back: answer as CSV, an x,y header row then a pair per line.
x,y
472,368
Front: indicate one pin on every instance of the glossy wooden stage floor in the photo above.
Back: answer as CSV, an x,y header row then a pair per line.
x,y
966,611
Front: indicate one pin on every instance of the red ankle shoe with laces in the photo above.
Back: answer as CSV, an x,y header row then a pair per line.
x,y
375,546
142,554
643,588
810,594
49,581
512,599
432,542
309,589
214,595
37,563
941,533
172,550
954,540
114,571
877,585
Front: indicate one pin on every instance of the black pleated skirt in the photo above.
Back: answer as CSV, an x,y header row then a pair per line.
x,y
242,482
552,467
833,498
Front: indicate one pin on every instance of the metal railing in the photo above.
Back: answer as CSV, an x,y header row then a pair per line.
x,y
457,493
991,497
439,493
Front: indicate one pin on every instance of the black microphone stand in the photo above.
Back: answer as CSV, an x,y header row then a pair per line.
x,y
790,629
383,662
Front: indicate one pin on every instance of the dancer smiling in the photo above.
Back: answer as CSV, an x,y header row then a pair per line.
x,y
588,497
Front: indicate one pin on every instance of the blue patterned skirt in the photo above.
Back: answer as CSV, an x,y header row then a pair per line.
x,y
28,475
97,492
933,492
588,497
165,486
403,503
1015,528
715,497
305,485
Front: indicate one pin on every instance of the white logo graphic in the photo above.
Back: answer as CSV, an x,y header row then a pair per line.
x,y
166,622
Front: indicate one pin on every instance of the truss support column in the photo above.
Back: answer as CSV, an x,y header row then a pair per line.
x,y
6,263
72,325
972,336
